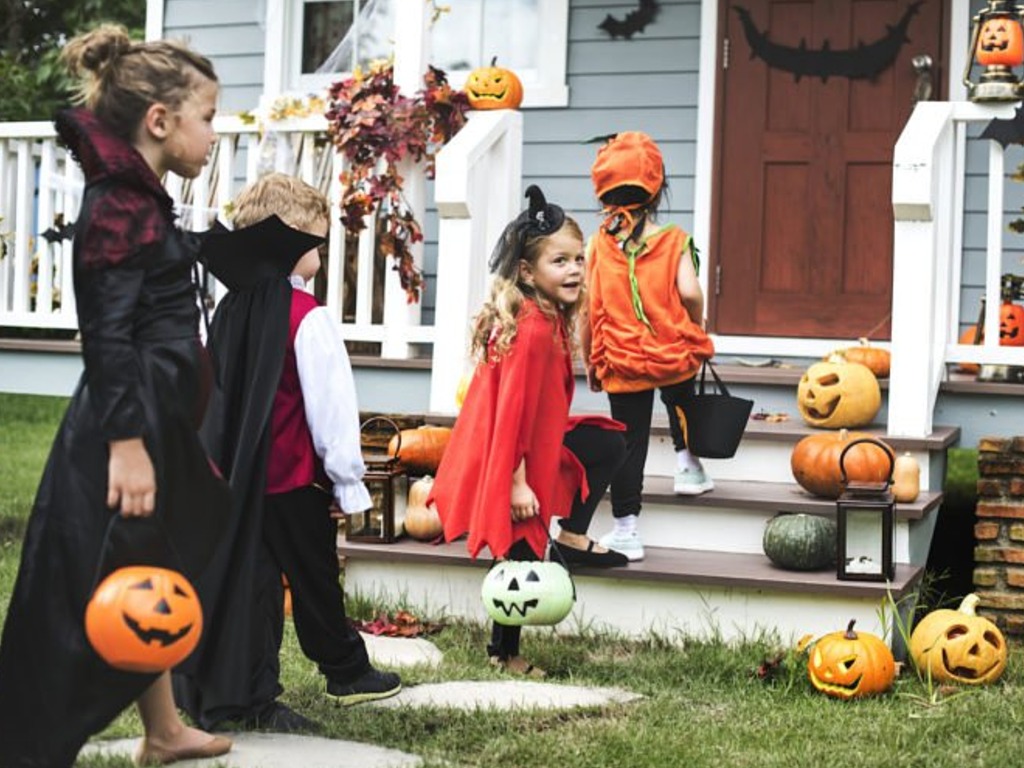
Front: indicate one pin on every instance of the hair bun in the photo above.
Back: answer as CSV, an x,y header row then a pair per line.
x,y
101,47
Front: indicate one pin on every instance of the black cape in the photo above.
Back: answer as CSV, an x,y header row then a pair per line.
x,y
143,369
248,340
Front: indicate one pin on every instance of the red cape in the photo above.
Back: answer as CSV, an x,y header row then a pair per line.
x,y
515,408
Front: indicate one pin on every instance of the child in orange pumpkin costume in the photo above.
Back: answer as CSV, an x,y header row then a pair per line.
x,y
646,327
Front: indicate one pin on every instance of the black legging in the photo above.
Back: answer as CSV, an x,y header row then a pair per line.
x,y
634,410
601,452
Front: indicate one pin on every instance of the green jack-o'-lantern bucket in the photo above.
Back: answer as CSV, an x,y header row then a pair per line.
x,y
520,592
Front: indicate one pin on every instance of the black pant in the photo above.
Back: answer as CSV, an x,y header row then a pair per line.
x,y
299,539
601,452
634,410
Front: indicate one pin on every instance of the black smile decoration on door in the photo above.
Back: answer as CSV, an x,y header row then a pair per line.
x,y
862,62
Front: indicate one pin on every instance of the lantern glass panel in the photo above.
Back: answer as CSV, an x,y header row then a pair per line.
x,y
389,494
865,527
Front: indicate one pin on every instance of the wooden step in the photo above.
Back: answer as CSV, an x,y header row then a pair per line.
x,y
672,592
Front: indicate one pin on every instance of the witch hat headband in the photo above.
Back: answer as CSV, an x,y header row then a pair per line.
x,y
540,219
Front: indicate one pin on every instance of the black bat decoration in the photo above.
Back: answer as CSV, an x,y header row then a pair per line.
x,y
59,231
862,62
635,21
1006,131
161,636
601,139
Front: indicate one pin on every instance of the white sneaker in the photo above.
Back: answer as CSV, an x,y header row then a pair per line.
x,y
692,482
628,544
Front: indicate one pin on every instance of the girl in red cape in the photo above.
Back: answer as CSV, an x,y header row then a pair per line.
x,y
516,458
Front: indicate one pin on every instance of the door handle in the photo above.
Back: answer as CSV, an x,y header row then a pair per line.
x,y
922,64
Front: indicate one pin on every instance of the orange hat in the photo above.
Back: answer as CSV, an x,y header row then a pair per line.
x,y
629,159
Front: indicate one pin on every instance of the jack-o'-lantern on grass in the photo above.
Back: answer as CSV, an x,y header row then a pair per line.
x,y
494,87
836,394
958,646
520,592
815,461
144,619
1011,325
1000,42
851,665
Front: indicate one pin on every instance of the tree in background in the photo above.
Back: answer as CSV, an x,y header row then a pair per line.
x,y
32,33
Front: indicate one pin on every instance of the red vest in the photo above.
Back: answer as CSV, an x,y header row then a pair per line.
x,y
293,462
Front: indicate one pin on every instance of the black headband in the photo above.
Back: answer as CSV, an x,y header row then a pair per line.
x,y
540,219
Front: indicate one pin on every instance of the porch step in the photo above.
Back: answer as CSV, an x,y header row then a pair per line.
x,y
672,592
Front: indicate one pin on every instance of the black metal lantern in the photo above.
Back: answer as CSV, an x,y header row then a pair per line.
x,y
997,45
865,524
389,491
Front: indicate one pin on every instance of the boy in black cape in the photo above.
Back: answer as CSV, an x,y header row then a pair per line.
x,y
284,428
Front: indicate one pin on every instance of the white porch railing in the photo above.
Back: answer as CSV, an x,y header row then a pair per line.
x,y
39,183
929,172
477,193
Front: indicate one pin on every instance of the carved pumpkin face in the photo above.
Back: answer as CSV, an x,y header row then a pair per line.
x,y
838,394
1000,42
958,646
518,592
144,619
494,87
851,665
1011,325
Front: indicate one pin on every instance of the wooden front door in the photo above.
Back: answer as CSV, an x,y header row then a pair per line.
x,y
802,218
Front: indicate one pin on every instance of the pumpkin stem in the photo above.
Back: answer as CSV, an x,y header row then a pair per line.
x,y
850,634
494,60
969,604
864,341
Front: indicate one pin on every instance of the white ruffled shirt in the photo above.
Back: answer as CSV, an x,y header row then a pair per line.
x,y
332,412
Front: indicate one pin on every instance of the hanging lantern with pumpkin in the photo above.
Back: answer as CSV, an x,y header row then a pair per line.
x,y
521,592
1011,324
144,619
422,522
958,646
997,45
494,87
815,461
1000,42
851,665
837,393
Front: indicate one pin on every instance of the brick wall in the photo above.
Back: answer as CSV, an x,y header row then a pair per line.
x,y
999,532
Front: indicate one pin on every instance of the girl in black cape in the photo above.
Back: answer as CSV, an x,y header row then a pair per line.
x,y
128,444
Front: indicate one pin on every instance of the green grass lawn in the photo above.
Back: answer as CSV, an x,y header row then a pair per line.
x,y
703,705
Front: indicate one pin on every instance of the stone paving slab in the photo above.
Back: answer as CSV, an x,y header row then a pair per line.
x,y
394,652
505,694
279,750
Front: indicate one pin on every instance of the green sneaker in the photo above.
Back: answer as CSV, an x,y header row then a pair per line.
x,y
692,482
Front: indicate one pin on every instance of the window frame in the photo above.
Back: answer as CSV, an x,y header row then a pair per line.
x,y
283,55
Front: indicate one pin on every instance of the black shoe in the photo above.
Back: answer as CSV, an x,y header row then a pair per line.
x,y
279,718
588,558
372,685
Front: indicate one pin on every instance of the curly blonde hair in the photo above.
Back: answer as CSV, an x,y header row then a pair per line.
x,y
298,204
121,78
497,317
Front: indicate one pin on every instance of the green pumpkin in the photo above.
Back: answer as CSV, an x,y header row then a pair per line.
x,y
518,592
800,542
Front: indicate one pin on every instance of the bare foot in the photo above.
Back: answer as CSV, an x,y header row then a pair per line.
x,y
186,743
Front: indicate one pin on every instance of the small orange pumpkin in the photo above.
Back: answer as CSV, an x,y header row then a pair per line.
x,y
422,522
851,665
494,87
144,619
972,335
1011,325
876,359
1000,42
815,461
421,448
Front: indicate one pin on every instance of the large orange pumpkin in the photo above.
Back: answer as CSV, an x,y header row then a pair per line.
x,y
494,87
1011,325
851,665
958,646
1000,42
838,394
815,461
421,448
144,619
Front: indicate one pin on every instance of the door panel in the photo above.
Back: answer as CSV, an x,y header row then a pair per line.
x,y
802,219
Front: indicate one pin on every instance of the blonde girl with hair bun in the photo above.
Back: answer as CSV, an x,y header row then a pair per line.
x,y
127,447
